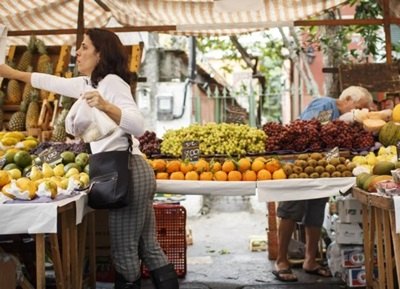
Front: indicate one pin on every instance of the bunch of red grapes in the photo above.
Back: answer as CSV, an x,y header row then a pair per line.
x,y
301,135
149,143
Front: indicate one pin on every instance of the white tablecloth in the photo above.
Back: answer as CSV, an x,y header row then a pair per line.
x,y
237,188
267,191
302,189
32,218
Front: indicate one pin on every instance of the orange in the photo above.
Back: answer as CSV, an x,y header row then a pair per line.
x,y
206,176
173,166
279,175
186,167
244,164
201,166
228,166
249,175
272,165
177,176
162,176
159,165
263,175
192,176
215,166
220,176
257,165
234,176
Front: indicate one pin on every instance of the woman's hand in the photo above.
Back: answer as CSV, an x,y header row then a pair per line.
x,y
94,99
8,72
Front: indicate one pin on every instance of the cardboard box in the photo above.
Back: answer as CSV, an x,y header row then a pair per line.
x,y
355,277
349,210
348,233
352,256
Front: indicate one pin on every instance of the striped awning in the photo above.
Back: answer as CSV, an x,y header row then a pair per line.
x,y
186,17
26,15
216,17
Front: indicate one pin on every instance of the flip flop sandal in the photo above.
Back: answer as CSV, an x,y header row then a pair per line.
x,y
320,271
280,275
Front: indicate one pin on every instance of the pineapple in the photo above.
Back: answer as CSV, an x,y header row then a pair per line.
x,y
59,134
14,92
44,59
33,111
26,58
17,120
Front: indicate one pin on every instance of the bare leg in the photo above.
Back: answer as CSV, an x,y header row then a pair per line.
x,y
312,238
285,232
310,264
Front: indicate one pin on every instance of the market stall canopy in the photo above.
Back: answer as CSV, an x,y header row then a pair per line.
x,y
186,17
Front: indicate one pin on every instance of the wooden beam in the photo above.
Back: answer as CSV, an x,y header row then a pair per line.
x,y
156,28
81,25
346,22
386,27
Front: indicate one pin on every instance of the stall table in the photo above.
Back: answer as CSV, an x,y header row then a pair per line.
x,y
269,191
41,219
380,233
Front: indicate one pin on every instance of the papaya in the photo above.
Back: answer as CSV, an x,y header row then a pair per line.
x,y
377,179
367,181
383,168
361,178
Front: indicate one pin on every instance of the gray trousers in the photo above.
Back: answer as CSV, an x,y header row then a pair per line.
x,y
132,228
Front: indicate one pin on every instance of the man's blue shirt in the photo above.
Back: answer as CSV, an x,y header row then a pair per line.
x,y
320,104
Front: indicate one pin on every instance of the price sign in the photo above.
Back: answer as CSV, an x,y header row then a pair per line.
x,y
333,153
325,116
190,150
50,156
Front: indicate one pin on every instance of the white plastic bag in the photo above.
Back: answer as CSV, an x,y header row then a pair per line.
x,y
88,123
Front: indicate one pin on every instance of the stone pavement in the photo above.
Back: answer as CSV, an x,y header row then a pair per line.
x,y
220,257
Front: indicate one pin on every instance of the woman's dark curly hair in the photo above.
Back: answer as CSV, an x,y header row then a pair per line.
x,y
113,56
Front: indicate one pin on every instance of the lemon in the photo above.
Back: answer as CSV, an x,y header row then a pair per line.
x,y
27,185
84,179
59,170
14,174
4,178
35,174
47,171
71,172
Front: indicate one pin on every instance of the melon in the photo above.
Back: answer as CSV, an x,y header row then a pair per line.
x,y
389,134
373,125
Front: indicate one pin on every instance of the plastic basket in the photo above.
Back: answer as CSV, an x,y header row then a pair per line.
x,y
171,234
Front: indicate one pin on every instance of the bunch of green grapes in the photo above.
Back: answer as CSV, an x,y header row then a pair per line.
x,y
213,138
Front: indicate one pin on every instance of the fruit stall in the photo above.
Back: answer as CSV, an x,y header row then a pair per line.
x,y
44,172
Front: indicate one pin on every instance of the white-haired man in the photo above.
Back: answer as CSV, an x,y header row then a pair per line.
x,y
311,212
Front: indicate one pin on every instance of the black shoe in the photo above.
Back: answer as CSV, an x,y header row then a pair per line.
x,y
122,283
165,277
